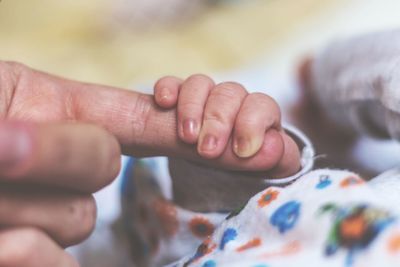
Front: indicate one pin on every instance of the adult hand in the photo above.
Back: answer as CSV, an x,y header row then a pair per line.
x,y
49,166
60,141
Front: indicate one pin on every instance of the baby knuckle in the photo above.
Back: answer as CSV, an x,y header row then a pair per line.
x,y
248,123
265,99
189,106
162,81
217,117
230,89
199,78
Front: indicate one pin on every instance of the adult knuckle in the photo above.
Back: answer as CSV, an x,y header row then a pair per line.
x,y
140,115
10,75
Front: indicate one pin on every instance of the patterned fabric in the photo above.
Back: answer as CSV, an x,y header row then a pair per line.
x,y
326,218
159,231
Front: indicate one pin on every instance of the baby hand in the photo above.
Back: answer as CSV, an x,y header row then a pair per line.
x,y
225,120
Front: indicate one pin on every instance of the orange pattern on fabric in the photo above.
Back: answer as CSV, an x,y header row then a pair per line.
x,y
351,180
210,246
167,215
201,227
394,243
251,244
353,227
289,249
266,198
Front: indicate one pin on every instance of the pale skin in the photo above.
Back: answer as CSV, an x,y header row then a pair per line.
x,y
64,140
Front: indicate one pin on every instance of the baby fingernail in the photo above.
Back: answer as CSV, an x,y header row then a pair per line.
x,y
164,93
244,147
15,145
208,143
190,128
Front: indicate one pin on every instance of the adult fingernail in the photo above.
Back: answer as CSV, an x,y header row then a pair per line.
x,y
208,143
190,128
245,147
15,145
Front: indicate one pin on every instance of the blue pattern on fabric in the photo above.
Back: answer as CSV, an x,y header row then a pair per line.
x,y
324,181
286,216
209,263
229,235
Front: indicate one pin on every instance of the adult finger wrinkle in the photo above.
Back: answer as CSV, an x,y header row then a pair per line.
x,y
10,73
140,116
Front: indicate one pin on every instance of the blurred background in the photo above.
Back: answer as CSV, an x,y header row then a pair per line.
x,y
135,41
132,43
